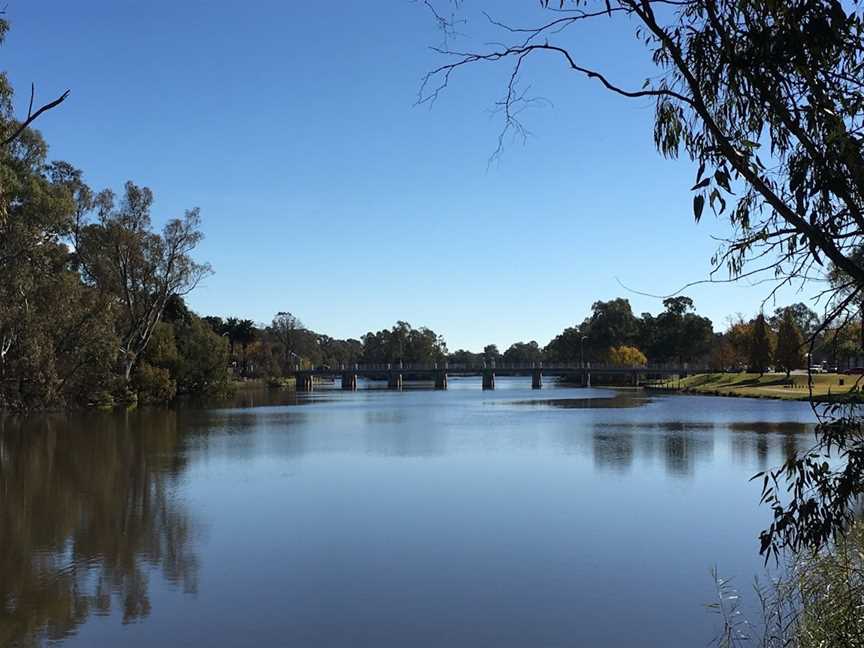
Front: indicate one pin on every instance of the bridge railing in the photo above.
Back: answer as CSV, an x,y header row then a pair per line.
x,y
504,366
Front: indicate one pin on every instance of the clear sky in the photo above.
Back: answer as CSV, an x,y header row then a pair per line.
x,y
327,193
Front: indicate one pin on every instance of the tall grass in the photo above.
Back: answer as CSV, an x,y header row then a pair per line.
x,y
817,603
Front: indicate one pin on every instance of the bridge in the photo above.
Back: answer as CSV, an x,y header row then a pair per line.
x,y
398,373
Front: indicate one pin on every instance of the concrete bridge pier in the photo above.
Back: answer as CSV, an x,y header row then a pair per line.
x,y
349,381
394,381
441,379
305,382
488,379
537,379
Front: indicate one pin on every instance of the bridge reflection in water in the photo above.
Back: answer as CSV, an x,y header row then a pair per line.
x,y
396,374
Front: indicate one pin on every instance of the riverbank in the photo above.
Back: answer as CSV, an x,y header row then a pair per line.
x,y
775,385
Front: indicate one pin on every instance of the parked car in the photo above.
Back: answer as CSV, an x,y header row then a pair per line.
x,y
817,369
854,371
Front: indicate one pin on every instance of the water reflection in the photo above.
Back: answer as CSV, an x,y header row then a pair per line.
x,y
358,508
756,440
683,448
84,519
683,444
614,451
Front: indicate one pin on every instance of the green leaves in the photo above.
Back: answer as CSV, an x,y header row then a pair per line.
x,y
698,206
722,179
715,195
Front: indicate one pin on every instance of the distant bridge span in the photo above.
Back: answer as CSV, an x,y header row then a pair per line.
x,y
396,374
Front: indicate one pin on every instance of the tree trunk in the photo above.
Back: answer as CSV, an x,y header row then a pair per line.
x,y
129,365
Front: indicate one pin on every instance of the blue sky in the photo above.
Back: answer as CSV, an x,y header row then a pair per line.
x,y
326,192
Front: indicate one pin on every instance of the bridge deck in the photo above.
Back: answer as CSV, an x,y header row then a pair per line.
x,y
559,370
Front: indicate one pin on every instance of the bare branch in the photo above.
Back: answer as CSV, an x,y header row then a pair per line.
x,y
31,116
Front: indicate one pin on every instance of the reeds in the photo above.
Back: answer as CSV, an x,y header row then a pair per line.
x,y
818,602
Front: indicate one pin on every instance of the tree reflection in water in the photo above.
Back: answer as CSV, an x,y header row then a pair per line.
x,y
86,514
682,443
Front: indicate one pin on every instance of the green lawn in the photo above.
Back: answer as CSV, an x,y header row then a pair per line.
x,y
768,385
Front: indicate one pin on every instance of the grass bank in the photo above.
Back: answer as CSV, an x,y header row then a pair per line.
x,y
752,385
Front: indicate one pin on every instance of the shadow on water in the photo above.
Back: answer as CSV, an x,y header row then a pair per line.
x,y
85,518
618,401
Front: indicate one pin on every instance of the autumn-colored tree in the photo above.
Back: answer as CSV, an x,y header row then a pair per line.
x,y
738,335
722,357
626,356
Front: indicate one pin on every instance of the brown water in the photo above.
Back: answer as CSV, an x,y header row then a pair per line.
x,y
564,517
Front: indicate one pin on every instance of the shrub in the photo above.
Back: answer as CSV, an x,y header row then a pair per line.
x,y
154,384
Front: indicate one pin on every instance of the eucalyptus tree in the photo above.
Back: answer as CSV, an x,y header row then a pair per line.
x,y
491,352
402,342
676,334
611,324
140,269
56,340
765,98
565,346
286,329
523,353
805,319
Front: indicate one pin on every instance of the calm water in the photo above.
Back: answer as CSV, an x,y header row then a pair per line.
x,y
563,517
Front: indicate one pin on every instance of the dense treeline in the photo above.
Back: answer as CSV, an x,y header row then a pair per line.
x,y
277,349
610,334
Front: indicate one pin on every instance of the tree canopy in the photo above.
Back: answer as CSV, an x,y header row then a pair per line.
x,y
790,343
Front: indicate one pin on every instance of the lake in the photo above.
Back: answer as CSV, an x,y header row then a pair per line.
x,y
560,517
